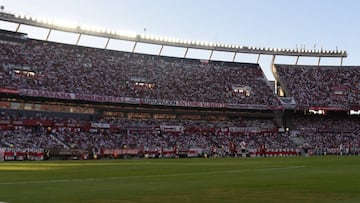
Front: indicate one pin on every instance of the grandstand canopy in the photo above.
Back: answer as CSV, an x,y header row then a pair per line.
x,y
109,34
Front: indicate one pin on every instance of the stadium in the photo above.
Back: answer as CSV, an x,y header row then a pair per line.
x,y
139,118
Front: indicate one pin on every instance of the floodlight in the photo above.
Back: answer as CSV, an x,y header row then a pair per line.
x,y
85,28
38,19
19,15
127,34
88,28
45,20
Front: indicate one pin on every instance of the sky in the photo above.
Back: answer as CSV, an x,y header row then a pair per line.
x,y
327,24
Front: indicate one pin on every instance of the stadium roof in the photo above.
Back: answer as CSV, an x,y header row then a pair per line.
x,y
49,24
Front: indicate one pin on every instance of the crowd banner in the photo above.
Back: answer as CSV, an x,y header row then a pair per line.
x,y
131,100
9,91
288,102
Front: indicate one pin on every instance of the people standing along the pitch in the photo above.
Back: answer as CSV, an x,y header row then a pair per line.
x,y
243,149
306,149
263,150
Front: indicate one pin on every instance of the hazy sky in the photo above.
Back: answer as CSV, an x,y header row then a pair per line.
x,y
327,24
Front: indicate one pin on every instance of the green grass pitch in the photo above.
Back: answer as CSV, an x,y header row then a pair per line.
x,y
281,179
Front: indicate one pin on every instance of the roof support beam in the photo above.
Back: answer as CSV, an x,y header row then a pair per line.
x,y
107,43
186,51
273,60
78,39
48,35
234,57
134,47
18,27
162,47
211,54
258,59
341,61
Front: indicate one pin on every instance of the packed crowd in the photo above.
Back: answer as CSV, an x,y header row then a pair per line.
x,y
324,86
324,133
58,67
147,134
320,133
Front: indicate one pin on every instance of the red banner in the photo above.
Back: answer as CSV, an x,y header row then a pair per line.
x,y
9,91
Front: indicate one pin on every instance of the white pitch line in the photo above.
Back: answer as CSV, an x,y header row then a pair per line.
x,y
147,176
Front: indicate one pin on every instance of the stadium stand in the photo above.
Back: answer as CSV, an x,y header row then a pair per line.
x,y
148,136
329,134
76,85
321,87
38,68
